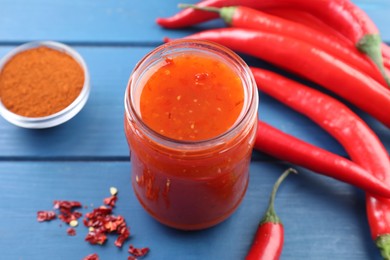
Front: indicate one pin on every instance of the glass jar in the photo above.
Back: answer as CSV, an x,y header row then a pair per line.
x,y
185,184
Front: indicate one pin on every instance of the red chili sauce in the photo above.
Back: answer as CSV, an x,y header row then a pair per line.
x,y
191,99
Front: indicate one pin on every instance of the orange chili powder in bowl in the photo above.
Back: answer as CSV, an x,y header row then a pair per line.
x,y
42,84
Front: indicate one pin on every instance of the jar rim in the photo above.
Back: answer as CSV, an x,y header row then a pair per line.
x,y
61,116
190,44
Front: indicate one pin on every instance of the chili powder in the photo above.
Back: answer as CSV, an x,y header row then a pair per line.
x,y
40,82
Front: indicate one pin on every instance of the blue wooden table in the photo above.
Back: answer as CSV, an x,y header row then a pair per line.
x,y
82,159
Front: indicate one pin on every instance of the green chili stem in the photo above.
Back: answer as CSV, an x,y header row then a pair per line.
x,y
270,215
383,243
226,13
371,46
206,8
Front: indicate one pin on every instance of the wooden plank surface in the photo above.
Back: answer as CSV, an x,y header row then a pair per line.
x,y
80,160
112,21
97,132
324,219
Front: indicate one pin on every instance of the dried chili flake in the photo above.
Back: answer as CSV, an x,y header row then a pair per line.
x,y
67,205
110,201
102,221
69,216
45,215
114,223
96,237
66,208
138,252
71,231
91,257
98,212
124,233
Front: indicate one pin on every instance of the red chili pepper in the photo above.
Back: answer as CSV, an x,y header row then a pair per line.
x,y
310,62
386,57
385,50
248,18
293,150
358,140
342,15
189,17
386,62
309,20
314,23
269,237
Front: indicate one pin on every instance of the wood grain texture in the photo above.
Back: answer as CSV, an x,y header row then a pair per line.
x,y
97,131
113,21
323,218
80,160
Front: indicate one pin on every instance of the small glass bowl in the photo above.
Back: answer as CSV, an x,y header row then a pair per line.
x,y
61,116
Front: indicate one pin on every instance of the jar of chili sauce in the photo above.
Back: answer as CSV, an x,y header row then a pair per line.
x,y
190,122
